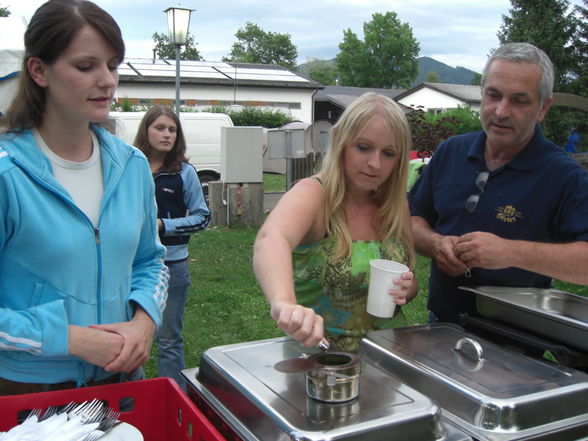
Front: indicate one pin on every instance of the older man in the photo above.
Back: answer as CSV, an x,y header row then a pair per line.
x,y
504,206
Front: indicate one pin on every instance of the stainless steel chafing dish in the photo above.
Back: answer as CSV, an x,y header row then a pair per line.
x,y
491,393
549,313
241,391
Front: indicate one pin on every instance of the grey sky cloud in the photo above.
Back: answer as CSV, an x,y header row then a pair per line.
x,y
456,32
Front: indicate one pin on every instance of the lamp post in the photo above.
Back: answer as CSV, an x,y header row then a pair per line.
x,y
178,22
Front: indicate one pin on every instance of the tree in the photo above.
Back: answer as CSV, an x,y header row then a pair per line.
x,y
548,25
432,77
428,130
580,85
386,58
167,51
254,45
476,79
4,12
551,26
322,71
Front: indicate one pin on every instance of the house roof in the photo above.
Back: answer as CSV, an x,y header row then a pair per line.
x,y
462,92
472,94
570,100
145,70
342,96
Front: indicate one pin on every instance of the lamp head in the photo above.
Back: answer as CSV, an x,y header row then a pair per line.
x,y
178,22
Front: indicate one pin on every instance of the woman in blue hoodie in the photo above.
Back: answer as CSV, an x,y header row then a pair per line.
x,y
82,278
181,211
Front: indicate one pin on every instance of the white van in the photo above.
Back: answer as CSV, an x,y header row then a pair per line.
x,y
202,131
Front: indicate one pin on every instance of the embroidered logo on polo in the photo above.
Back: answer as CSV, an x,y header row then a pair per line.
x,y
508,214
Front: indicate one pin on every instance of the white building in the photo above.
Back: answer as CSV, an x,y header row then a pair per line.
x,y
144,82
437,97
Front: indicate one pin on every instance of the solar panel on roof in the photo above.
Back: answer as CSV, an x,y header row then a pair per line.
x,y
206,69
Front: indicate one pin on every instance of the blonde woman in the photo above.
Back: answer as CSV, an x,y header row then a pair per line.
x,y
311,256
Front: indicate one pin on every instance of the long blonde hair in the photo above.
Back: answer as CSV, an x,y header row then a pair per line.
x,y
391,195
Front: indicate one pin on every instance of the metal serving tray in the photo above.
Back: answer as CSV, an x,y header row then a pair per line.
x,y
491,393
240,383
557,315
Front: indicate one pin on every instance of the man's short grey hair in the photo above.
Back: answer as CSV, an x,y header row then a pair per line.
x,y
526,53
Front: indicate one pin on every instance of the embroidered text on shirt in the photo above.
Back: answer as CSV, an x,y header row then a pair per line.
x,y
508,214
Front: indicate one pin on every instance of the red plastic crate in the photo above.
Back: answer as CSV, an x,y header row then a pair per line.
x,y
162,412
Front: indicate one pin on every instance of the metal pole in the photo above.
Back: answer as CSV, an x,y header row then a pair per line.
x,y
289,165
178,79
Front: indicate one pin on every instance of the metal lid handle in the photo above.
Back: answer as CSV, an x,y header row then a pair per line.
x,y
477,348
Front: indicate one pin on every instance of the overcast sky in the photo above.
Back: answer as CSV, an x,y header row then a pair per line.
x,y
455,32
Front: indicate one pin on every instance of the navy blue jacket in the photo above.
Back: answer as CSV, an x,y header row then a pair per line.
x,y
182,209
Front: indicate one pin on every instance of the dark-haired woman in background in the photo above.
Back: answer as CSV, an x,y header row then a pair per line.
x,y
82,279
181,211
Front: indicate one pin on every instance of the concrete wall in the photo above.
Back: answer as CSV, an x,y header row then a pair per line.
x,y
236,204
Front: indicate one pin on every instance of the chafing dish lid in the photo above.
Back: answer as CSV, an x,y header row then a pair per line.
x,y
483,383
243,378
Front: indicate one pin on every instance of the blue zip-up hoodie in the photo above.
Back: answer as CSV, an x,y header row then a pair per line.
x,y
56,269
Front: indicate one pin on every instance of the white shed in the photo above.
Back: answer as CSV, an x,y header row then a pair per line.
x,y
440,96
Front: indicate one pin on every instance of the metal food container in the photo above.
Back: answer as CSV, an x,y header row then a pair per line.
x,y
549,313
336,377
491,393
257,402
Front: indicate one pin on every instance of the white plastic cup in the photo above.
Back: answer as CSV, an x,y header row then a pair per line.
x,y
382,275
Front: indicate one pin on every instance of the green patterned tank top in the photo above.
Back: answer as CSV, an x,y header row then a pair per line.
x,y
338,291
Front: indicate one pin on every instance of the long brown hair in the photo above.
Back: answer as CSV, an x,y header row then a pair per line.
x,y
50,31
174,158
391,195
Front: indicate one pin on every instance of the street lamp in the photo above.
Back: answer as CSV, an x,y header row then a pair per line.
x,y
178,22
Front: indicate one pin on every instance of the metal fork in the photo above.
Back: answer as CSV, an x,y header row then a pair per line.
x,y
110,419
93,435
33,413
93,413
49,412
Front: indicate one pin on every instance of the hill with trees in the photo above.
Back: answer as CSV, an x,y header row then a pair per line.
x,y
447,74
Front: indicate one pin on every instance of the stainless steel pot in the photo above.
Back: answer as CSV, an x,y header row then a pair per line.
x,y
335,377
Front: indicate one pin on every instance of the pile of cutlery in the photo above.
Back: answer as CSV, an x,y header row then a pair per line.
x,y
87,421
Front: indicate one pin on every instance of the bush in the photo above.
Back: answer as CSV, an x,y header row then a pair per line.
x,y
254,116
429,130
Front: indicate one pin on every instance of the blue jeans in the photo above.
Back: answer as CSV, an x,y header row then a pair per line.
x,y
170,358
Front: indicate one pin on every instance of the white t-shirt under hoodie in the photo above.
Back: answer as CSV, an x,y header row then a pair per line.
x,y
83,180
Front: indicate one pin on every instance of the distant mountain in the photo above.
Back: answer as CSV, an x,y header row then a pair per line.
x,y
447,74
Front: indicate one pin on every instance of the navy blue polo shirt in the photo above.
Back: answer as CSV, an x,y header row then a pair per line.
x,y
541,195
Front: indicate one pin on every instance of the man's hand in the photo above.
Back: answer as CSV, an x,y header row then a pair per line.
x,y
484,250
447,258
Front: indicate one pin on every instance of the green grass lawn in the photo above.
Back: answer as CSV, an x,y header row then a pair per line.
x,y
227,306
273,182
